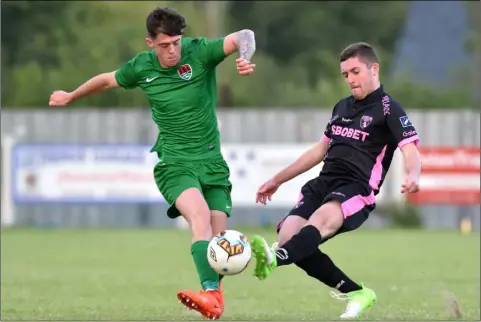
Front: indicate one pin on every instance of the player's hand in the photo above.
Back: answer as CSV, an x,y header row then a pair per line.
x,y
266,191
410,185
244,67
60,98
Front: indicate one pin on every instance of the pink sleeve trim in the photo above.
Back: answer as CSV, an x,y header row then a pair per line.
x,y
324,138
412,139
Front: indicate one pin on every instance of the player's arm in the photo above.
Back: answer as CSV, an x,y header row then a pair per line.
x,y
125,77
242,42
412,160
97,84
94,85
308,159
305,162
214,51
407,140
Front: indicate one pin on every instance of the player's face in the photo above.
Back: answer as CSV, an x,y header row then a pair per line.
x,y
360,77
166,48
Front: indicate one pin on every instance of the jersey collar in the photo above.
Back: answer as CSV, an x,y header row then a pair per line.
x,y
374,97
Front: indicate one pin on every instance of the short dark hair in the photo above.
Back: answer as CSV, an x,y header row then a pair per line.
x,y
361,50
166,21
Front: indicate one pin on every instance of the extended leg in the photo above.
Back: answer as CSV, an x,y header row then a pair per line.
x,y
318,265
192,206
302,249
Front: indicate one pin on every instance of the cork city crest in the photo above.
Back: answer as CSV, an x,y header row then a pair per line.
x,y
185,72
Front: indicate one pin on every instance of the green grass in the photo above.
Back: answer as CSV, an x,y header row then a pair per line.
x,y
134,275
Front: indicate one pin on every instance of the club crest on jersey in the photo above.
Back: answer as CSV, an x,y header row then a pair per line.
x,y
365,121
185,72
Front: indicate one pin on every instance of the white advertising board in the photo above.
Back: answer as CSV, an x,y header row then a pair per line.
x,y
124,173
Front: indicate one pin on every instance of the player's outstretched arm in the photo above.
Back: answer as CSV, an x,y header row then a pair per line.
x,y
305,162
94,85
244,43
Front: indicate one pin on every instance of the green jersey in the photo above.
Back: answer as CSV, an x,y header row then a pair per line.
x,y
182,98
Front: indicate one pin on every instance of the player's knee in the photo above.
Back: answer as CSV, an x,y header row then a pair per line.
x,y
328,218
191,204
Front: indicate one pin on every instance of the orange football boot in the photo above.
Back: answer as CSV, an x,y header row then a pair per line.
x,y
210,304
221,297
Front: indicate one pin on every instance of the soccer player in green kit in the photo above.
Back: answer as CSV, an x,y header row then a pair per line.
x,y
178,75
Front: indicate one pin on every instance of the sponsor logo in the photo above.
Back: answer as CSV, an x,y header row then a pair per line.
x,y
281,253
405,122
149,79
335,117
349,133
212,254
409,133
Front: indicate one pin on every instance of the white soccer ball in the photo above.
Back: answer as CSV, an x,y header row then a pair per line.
x,y
229,252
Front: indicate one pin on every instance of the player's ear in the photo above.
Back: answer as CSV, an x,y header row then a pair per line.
x,y
375,69
149,42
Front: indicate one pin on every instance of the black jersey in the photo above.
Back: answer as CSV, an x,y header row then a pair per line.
x,y
363,136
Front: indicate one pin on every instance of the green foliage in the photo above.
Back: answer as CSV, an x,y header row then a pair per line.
x,y
428,97
313,33
50,45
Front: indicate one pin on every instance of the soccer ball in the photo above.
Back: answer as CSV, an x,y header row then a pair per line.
x,y
229,252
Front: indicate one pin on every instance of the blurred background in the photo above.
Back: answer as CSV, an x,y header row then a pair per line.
x,y
88,165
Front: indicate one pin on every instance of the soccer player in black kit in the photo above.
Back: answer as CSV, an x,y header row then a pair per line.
x,y
357,149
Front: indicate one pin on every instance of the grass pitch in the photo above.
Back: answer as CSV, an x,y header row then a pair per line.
x,y
134,275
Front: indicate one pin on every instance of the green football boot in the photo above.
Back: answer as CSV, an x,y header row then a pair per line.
x,y
358,302
265,257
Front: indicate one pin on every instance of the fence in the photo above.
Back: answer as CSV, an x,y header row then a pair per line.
x,y
238,126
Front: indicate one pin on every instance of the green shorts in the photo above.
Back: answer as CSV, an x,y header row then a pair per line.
x,y
210,177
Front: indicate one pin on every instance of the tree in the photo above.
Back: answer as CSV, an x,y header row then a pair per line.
x,y
312,34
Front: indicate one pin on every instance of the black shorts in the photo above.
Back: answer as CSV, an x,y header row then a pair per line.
x,y
357,200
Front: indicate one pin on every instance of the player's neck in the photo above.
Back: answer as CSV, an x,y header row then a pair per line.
x,y
375,88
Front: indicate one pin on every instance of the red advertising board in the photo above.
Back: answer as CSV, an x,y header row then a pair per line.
x,y
450,175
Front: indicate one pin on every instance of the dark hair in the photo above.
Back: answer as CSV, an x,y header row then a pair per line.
x,y
166,21
361,50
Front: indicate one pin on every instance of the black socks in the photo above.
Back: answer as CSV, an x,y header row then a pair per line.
x,y
300,246
303,250
322,268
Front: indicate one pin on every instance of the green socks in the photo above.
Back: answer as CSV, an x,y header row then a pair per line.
x,y
209,279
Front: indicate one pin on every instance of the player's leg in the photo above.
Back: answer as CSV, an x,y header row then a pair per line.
x,y
180,186
287,228
317,265
310,199
217,192
344,210
218,221
355,205
216,187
